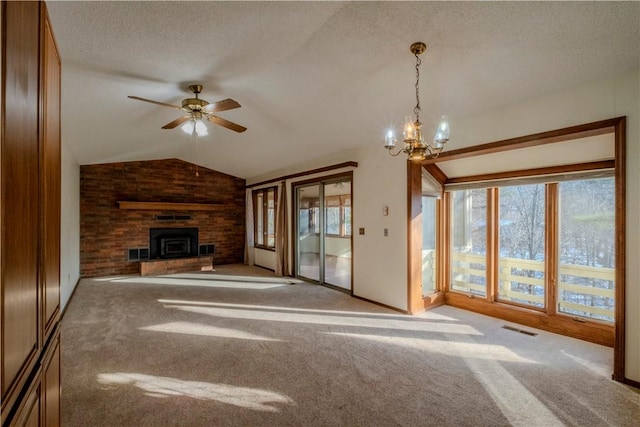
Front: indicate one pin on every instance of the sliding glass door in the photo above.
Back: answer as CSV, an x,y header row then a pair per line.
x,y
308,235
324,232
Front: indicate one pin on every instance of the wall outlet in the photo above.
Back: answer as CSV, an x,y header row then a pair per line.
x,y
361,231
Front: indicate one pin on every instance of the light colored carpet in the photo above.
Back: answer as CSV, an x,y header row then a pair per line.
x,y
239,347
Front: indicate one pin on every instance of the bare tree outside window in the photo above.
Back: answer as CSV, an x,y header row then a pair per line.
x,y
522,232
587,248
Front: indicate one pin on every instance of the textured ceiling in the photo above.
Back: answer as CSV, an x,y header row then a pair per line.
x,y
315,78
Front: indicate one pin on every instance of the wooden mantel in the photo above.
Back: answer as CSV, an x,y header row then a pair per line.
x,y
168,206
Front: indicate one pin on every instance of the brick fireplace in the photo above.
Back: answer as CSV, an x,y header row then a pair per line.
x,y
109,233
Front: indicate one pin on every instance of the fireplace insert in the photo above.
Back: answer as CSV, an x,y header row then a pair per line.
x,y
173,242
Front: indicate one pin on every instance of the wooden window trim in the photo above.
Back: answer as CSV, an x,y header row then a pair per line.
x,y
265,215
603,334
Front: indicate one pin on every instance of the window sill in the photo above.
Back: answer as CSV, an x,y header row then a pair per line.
x,y
265,248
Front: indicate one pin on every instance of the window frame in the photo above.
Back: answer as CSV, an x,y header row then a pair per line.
x,y
601,334
261,214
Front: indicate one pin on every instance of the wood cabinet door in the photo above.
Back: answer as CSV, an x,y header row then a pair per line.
x,y
19,196
51,384
50,183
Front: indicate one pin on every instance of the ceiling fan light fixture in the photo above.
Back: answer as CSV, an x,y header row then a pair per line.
x,y
195,127
188,127
201,128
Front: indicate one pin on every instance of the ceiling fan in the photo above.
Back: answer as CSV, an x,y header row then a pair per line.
x,y
197,110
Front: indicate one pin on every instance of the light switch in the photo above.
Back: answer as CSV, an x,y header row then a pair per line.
x,y
386,232
385,210
361,230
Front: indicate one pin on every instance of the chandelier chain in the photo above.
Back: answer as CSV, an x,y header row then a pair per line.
x,y
417,109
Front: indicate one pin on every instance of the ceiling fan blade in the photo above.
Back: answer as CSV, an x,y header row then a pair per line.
x,y
225,104
176,122
226,123
155,102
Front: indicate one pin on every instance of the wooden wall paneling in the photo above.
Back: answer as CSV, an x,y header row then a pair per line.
x,y
29,412
50,182
51,384
20,178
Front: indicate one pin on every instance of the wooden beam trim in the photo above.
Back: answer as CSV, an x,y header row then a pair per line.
x,y
168,206
349,164
437,173
558,135
550,170
620,230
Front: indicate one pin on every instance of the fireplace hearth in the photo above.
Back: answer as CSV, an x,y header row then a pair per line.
x,y
165,243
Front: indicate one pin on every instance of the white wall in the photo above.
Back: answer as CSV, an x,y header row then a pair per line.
x,y
264,258
380,263
69,226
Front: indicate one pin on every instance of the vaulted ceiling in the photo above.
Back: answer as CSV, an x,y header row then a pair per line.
x,y
315,78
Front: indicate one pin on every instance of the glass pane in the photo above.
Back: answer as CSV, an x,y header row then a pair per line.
x,y
337,245
428,245
308,240
271,218
587,249
521,262
332,221
347,221
260,218
469,241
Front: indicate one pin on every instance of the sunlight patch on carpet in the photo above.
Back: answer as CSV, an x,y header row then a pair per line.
x,y
451,347
278,308
190,328
291,315
516,402
213,282
244,397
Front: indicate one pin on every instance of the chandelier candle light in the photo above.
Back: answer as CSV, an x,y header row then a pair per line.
x,y
414,143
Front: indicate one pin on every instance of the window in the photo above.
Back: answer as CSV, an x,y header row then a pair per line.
x,y
522,232
264,205
429,236
338,215
469,241
574,217
587,249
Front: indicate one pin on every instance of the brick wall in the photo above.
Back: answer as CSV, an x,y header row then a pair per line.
x,y
106,232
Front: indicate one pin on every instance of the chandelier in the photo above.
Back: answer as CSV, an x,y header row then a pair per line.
x,y
414,141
